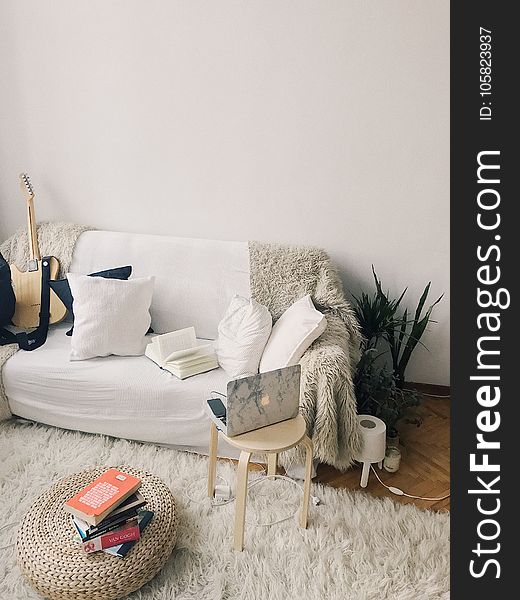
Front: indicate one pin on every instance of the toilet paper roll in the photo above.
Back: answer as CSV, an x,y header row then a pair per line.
x,y
373,435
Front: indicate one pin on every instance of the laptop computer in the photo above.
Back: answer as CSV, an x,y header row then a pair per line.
x,y
257,401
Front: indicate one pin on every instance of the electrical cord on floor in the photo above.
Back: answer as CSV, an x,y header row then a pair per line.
x,y
314,499
399,492
215,503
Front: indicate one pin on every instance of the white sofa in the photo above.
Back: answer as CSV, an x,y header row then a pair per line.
x,y
130,397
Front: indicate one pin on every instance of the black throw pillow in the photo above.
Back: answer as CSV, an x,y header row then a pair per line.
x,y
61,287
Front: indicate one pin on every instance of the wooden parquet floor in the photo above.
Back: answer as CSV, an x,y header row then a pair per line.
x,y
425,461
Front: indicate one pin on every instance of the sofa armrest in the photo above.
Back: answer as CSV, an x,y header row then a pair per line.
x,y
5,354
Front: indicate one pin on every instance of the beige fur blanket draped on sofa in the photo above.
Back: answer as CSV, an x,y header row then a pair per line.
x,y
279,275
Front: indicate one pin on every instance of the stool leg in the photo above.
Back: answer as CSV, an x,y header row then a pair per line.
x,y
307,442
364,474
380,464
272,463
212,466
240,500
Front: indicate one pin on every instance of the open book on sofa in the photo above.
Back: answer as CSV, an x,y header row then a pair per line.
x,y
180,353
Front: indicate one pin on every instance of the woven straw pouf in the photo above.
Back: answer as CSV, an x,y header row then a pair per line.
x,y
52,559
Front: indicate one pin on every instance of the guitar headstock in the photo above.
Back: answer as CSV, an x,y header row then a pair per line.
x,y
26,185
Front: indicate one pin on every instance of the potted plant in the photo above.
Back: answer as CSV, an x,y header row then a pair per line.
x,y
381,385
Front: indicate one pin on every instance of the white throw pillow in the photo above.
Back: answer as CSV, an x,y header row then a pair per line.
x,y
111,316
242,336
292,334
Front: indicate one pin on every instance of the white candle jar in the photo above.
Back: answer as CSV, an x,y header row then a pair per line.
x,y
392,459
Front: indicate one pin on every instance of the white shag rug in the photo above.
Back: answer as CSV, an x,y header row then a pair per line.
x,y
356,547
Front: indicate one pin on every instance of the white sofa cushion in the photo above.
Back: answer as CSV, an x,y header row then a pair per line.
x,y
195,280
242,336
111,316
292,334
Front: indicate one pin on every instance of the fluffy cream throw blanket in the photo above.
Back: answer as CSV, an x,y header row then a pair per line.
x,y
54,239
279,276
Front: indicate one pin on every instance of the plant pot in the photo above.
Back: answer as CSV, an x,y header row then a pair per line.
x,y
392,438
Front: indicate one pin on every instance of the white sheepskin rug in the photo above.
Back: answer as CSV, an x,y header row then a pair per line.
x,y
356,546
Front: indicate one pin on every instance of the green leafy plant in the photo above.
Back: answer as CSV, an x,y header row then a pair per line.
x,y
379,321
376,314
381,391
378,394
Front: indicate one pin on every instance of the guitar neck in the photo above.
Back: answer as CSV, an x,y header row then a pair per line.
x,y
34,251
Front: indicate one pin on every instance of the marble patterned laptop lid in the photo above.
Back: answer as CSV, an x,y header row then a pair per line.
x,y
263,399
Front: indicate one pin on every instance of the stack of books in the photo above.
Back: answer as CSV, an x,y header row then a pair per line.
x,y
109,513
179,353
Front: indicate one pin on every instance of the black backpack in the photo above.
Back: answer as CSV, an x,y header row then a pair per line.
x,y
7,303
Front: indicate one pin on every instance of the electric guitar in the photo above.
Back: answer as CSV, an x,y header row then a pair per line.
x,y
27,285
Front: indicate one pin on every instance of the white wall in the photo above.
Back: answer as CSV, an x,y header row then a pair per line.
x,y
324,123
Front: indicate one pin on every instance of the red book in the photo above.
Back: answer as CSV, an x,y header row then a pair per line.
x,y
94,502
130,532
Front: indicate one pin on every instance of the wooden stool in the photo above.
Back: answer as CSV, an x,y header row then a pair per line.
x,y
268,440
